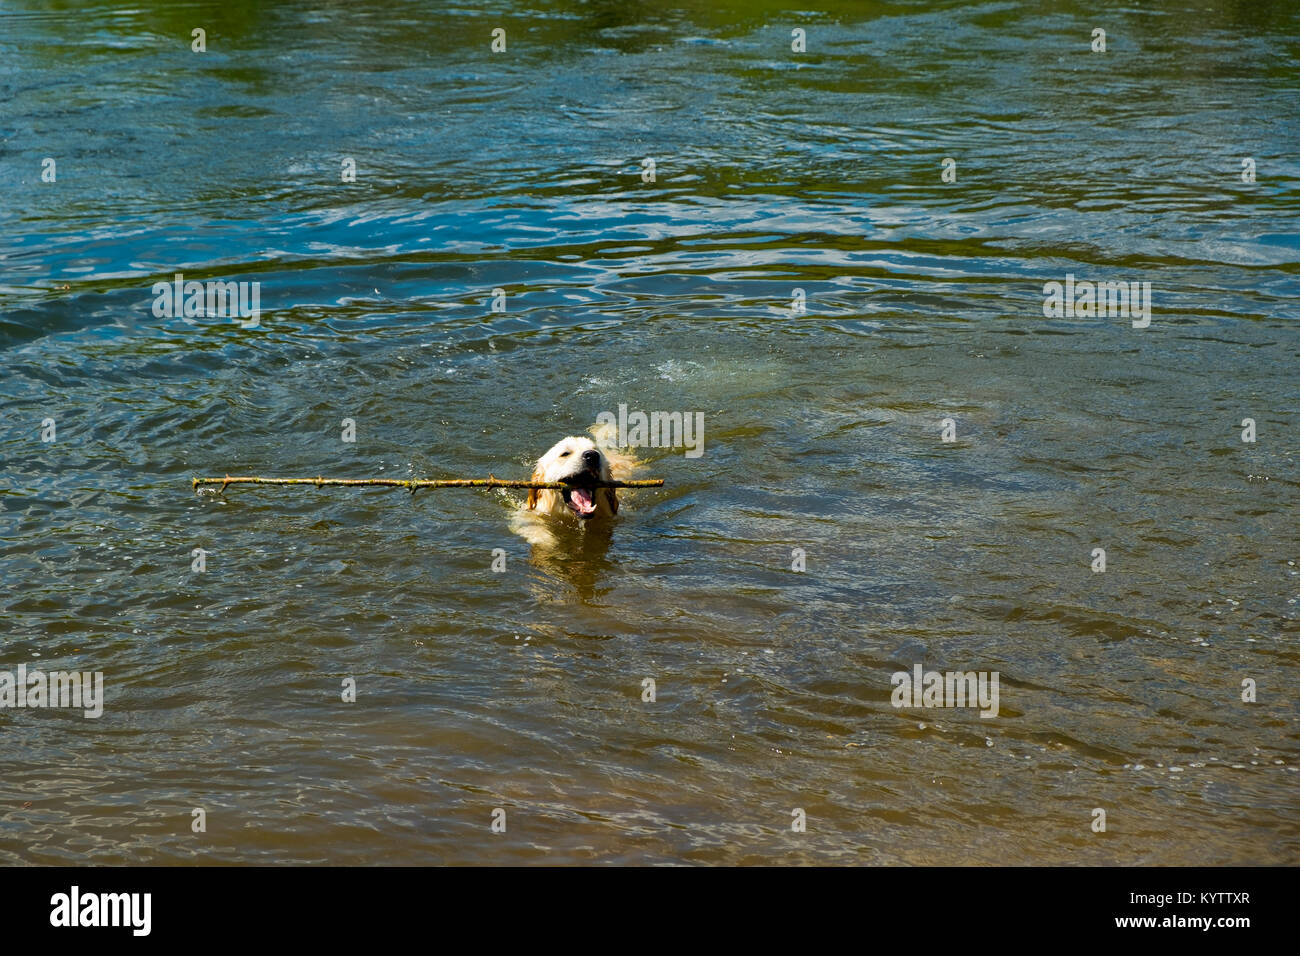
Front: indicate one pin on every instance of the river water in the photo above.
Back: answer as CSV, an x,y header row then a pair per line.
x,y
521,690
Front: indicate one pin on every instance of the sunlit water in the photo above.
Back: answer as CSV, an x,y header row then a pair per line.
x,y
775,170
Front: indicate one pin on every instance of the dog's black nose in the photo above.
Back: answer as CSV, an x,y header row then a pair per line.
x,y
591,458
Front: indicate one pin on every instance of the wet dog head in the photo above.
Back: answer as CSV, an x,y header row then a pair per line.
x,y
577,460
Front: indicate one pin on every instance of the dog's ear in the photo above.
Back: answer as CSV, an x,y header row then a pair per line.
x,y
613,499
533,492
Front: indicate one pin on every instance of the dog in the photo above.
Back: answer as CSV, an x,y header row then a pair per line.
x,y
583,462
577,460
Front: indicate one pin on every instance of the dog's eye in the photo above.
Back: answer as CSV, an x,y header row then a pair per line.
x,y
565,454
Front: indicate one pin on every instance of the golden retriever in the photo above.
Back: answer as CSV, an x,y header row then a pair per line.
x,y
576,459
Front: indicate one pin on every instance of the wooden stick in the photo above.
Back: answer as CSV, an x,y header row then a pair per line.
x,y
412,484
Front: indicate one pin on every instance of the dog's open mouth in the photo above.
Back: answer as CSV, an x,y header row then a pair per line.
x,y
580,498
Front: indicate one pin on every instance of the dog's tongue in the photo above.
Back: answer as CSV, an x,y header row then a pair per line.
x,y
582,503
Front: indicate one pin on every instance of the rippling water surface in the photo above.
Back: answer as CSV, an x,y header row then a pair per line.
x,y
774,170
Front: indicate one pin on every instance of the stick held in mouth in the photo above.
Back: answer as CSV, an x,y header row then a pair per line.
x,y
412,484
